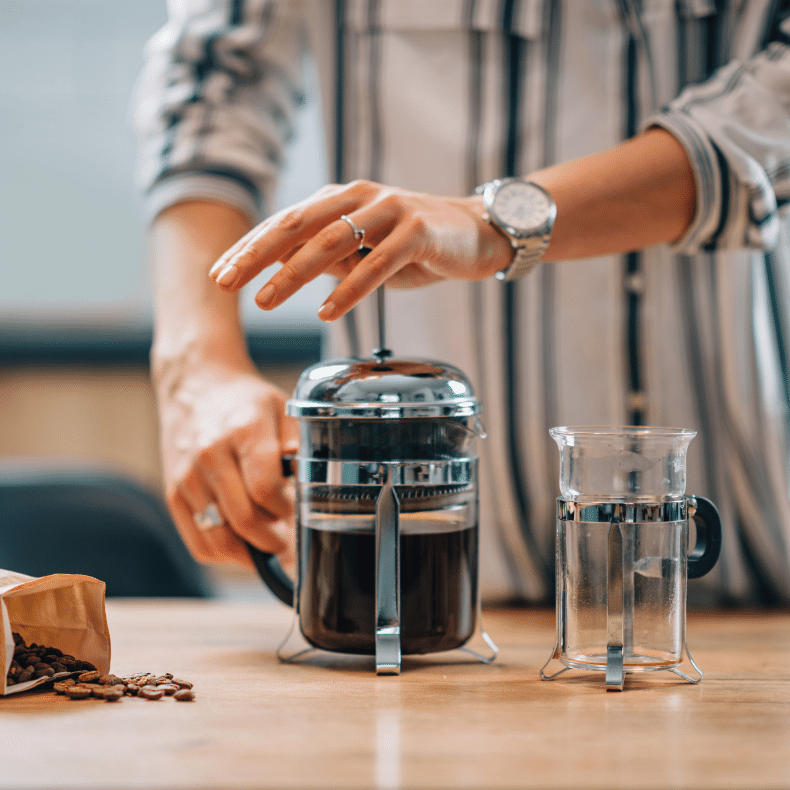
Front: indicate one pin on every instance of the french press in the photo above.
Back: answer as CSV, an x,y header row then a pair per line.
x,y
386,511
622,551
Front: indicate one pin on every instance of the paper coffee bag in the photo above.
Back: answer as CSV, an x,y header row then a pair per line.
x,y
62,610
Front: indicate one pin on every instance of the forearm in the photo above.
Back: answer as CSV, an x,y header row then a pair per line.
x,y
629,197
194,320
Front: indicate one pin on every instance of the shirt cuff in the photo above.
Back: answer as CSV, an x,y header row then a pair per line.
x,y
706,166
180,187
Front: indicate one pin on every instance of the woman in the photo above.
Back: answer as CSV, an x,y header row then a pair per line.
x,y
659,130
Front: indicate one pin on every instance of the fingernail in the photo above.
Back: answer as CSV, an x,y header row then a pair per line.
x,y
265,297
327,311
217,267
227,276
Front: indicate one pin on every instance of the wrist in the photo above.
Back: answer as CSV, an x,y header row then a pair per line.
x,y
175,360
494,250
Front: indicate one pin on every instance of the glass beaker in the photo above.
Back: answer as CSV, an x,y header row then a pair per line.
x,y
622,550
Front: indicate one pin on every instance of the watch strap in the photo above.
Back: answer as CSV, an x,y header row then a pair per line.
x,y
526,257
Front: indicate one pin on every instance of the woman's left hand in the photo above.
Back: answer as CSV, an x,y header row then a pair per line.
x,y
414,239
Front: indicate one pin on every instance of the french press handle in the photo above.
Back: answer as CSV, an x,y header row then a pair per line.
x,y
707,546
272,574
267,564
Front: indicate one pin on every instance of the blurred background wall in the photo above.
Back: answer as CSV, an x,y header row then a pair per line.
x,y
75,297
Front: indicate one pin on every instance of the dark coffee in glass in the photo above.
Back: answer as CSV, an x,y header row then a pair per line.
x,y
438,576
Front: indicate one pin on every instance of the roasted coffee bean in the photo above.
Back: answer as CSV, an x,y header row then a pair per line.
x,y
111,695
131,689
25,675
151,692
110,680
44,673
182,684
17,638
169,688
78,692
107,692
58,667
86,665
88,677
61,686
184,695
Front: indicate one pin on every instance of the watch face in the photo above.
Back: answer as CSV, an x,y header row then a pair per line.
x,y
521,206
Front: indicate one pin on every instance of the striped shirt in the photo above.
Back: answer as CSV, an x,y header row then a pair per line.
x,y
442,95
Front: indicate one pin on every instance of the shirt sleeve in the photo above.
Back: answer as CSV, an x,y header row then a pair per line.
x,y
216,102
735,129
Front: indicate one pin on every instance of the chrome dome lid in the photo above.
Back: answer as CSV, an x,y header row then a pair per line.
x,y
383,388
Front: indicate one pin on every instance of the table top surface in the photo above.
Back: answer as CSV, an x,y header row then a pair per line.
x,y
445,721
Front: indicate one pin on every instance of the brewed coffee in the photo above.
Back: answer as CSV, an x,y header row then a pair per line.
x,y
438,582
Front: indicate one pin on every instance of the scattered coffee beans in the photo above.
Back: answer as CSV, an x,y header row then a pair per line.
x,y
35,661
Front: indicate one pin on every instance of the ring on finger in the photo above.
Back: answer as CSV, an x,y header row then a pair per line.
x,y
208,518
359,233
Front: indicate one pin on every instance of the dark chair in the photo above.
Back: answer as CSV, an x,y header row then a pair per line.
x,y
97,522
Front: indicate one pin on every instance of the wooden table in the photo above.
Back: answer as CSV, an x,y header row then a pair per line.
x,y
259,723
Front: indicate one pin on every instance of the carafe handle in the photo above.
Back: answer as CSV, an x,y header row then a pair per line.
x,y
267,564
272,573
707,547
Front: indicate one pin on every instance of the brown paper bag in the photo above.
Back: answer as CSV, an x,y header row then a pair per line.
x,y
62,610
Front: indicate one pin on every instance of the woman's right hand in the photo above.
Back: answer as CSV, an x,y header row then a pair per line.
x,y
224,432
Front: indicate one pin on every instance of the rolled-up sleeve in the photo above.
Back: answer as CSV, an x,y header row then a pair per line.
x,y
735,129
216,102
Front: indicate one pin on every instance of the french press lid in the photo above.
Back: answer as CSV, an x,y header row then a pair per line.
x,y
391,388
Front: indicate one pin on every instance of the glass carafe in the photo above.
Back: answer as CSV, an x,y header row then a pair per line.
x,y
387,512
622,551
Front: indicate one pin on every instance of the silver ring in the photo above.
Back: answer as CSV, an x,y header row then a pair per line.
x,y
208,518
359,233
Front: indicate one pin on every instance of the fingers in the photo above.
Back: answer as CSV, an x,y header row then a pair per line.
x,y
334,248
384,261
281,234
218,545
235,491
248,515
333,244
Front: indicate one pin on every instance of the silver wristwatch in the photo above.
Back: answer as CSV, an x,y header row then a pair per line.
x,y
524,212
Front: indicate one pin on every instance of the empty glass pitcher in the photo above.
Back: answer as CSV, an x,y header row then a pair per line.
x,y
622,551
